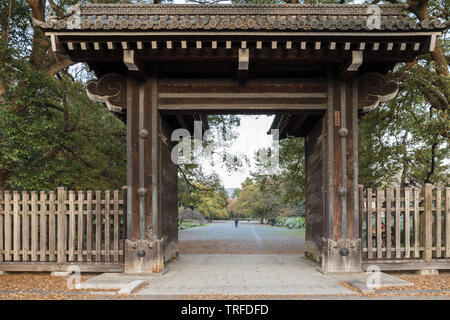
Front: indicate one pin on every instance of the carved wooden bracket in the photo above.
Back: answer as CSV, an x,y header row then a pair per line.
x,y
110,89
373,89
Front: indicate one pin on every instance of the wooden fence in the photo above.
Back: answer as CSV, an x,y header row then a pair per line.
x,y
47,231
409,226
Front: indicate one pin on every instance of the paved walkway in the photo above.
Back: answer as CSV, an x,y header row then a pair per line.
x,y
220,259
253,274
247,238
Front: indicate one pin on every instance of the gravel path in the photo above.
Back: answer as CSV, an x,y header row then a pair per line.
x,y
247,238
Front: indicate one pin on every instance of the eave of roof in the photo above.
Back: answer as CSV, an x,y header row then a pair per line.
x,y
244,17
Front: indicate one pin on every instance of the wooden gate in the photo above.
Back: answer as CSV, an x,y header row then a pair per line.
x,y
50,231
407,228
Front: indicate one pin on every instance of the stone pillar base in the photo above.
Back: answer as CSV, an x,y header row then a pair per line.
x,y
343,255
144,256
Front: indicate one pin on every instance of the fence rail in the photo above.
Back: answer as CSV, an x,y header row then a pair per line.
x,y
405,225
61,227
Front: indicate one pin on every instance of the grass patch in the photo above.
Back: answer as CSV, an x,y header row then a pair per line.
x,y
190,224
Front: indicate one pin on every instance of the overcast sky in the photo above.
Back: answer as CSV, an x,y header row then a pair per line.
x,y
252,135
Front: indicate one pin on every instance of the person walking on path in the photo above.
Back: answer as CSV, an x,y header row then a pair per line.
x,y
236,221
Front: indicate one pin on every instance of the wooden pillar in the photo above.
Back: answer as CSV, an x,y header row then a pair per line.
x,y
136,96
143,248
341,243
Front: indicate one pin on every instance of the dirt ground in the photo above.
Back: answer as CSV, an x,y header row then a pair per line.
x,y
42,286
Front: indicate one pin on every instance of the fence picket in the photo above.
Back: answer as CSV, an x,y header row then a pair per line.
x,y
71,243
43,226
427,227
116,225
447,222
34,226
416,223
407,226
62,223
8,234
379,224
438,223
369,224
107,225
25,226
2,225
388,226
80,225
16,226
397,224
52,228
89,226
98,225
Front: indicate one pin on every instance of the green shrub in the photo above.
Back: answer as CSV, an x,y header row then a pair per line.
x,y
291,222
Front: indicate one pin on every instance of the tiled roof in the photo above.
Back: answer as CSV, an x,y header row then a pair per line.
x,y
263,17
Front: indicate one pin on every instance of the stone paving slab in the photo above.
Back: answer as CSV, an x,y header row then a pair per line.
x,y
255,274
202,274
205,274
114,280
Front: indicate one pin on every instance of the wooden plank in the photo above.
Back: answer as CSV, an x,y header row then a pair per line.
x,y
369,224
98,225
34,226
388,222
361,216
447,222
62,223
416,223
80,225
438,222
379,223
116,226
25,226
52,228
71,244
397,223
16,226
43,226
107,225
89,226
426,226
7,197
2,224
407,223
54,266
408,266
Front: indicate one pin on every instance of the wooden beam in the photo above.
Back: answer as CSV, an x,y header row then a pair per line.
x,y
351,65
128,59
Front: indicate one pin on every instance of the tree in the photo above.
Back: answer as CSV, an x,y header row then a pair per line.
x,y
256,201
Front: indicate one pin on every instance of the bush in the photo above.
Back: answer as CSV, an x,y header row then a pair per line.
x,y
291,222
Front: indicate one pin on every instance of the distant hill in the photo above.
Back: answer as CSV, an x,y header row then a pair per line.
x,y
229,191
